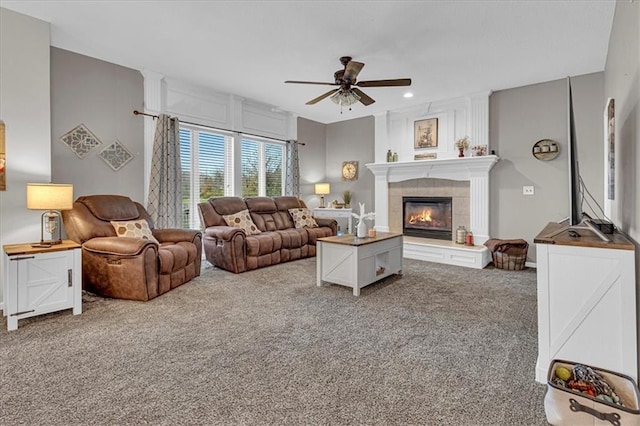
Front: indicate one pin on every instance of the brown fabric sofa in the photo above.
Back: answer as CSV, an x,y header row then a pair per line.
x,y
279,240
126,267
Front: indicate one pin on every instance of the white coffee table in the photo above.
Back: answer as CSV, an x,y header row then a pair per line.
x,y
357,262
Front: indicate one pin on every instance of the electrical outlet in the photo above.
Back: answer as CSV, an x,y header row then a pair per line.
x,y
527,190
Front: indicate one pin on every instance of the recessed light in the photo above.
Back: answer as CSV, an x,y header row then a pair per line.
x,y
408,95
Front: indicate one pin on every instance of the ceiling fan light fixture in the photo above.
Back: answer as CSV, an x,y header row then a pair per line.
x,y
345,98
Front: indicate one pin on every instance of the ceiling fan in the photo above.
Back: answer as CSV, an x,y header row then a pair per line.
x,y
346,78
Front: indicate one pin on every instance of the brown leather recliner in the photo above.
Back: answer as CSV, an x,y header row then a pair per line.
x,y
126,267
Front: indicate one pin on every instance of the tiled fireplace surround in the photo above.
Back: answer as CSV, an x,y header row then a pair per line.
x,y
466,180
458,191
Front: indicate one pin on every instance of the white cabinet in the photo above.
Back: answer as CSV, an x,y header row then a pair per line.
x,y
586,302
329,213
41,280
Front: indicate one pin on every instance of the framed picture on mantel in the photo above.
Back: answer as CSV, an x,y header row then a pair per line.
x,y
425,133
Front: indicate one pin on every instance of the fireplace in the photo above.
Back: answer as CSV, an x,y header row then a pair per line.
x,y
427,217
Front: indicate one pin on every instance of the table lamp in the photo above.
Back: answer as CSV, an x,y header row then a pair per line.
x,y
322,189
52,198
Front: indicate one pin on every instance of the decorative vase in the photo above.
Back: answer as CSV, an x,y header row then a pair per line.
x,y
461,235
461,152
361,229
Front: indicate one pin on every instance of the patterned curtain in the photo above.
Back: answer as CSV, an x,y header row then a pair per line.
x,y
165,189
292,176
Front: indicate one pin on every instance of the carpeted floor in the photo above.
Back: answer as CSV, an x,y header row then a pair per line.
x,y
440,345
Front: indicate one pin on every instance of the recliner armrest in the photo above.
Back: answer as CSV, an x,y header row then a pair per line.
x,y
176,235
329,223
122,246
225,233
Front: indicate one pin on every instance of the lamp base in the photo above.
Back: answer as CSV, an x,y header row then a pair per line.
x,y
46,244
50,221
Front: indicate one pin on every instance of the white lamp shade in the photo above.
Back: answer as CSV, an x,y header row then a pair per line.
x,y
49,196
322,188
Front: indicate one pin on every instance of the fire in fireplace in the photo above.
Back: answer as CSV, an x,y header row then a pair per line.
x,y
428,217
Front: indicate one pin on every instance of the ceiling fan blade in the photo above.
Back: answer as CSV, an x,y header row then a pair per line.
x,y
311,82
364,98
321,97
352,70
385,83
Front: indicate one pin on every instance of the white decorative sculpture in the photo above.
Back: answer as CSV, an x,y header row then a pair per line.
x,y
361,227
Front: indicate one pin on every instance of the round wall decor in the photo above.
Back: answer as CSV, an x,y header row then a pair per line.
x,y
545,149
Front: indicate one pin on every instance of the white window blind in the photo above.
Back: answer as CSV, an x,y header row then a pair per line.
x,y
207,159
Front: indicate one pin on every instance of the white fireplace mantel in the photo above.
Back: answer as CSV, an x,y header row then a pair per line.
x,y
472,169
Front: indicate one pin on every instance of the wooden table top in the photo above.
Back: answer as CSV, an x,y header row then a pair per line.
x,y
352,240
586,238
26,248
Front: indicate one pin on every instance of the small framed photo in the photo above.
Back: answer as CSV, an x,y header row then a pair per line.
x,y
427,156
425,133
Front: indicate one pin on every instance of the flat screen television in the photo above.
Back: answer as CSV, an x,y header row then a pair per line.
x,y
575,190
577,219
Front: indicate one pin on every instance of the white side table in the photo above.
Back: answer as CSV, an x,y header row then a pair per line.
x,y
330,213
39,280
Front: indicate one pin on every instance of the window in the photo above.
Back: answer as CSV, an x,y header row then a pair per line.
x,y
262,168
206,156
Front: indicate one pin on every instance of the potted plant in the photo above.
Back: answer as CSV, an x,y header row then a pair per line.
x,y
346,197
462,145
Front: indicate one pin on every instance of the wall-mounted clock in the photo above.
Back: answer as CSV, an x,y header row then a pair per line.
x,y
349,170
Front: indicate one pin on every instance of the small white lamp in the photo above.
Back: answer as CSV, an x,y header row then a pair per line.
x,y
322,189
52,198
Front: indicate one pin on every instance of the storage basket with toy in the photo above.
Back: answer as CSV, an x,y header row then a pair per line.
x,y
581,395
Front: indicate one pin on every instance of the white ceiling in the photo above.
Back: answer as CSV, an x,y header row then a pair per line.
x,y
249,48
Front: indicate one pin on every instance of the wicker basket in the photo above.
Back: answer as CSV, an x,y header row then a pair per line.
x,y
508,254
509,262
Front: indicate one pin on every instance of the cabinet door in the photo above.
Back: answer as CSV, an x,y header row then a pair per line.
x,y
45,282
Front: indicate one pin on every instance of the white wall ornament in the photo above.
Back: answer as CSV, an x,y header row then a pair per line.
x,y
80,140
116,155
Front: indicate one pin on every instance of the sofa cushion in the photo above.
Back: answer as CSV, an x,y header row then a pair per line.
x,y
263,212
264,243
133,229
320,232
293,238
302,218
174,257
242,220
110,207
287,202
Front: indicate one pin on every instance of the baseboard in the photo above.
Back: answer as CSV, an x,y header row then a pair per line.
x,y
531,264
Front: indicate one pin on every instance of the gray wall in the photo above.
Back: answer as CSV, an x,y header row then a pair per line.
x,y
102,96
327,146
518,118
622,76
24,108
312,158
346,141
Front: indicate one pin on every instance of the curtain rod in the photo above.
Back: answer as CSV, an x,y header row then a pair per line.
x,y
136,112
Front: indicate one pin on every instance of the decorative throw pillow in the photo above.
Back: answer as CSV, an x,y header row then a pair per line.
x,y
134,229
302,217
242,220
